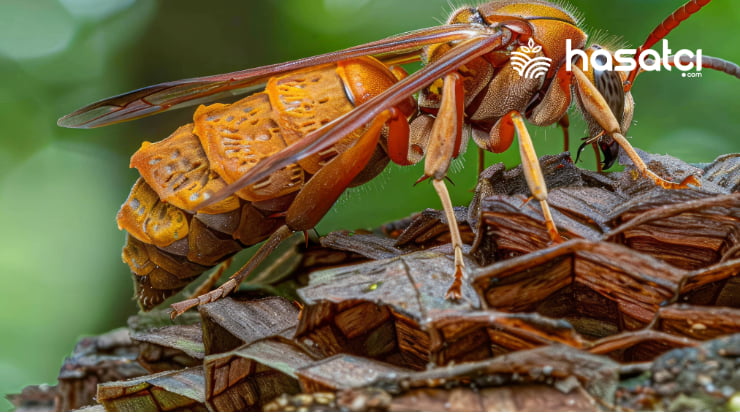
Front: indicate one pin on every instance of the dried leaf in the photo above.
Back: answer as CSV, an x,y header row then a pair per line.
x,y
228,323
181,390
170,348
247,378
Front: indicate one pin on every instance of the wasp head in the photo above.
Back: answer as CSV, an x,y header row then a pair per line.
x,y
610,83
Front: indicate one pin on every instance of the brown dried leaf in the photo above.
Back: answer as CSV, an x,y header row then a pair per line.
x,y
247,378
170,348
181,390
228,323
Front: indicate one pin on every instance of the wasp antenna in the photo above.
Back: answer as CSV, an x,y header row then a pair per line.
x,y
708,62
663,29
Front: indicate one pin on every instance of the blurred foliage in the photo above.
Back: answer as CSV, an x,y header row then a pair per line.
x,y
60,188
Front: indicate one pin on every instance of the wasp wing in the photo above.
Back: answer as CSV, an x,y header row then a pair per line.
x,y
162,97
485,41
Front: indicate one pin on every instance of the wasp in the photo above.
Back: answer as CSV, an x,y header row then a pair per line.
x,y
273,163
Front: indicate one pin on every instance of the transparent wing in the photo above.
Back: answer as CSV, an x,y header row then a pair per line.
x,y
482,43
162,97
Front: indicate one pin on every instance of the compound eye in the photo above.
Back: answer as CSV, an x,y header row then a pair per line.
x,y
610,85
601,60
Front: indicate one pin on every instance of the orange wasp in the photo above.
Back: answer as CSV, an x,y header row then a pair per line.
x,y
275,162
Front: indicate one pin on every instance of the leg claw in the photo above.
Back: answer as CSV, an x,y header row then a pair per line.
x,y
453,295
180,308
556,238
690,180
455,290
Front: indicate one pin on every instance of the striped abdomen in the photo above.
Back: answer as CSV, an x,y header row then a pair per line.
x,y
169,243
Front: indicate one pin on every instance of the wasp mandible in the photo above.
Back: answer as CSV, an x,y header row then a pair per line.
x,y
274,162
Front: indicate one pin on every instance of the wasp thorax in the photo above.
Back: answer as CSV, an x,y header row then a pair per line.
x,y
466,15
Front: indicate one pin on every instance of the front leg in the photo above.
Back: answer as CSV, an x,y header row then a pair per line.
x,y
596,106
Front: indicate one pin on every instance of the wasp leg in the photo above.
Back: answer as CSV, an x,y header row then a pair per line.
x,y
445,141
502,134
420,133
398,138
212,278
481,161
446,135
564,124
553,108
596,106
597,152
455,290
232,284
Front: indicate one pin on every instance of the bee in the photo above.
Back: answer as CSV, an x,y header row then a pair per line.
x,y
273,163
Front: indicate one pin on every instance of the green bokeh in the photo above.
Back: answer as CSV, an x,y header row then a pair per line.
x,y
59,188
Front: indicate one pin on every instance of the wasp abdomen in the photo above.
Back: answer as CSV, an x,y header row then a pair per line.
x,y
167,247
169,243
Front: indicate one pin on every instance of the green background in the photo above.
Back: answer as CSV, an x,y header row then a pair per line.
x,y
60,188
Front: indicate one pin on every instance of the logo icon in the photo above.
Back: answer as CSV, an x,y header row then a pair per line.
x,y
530,67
